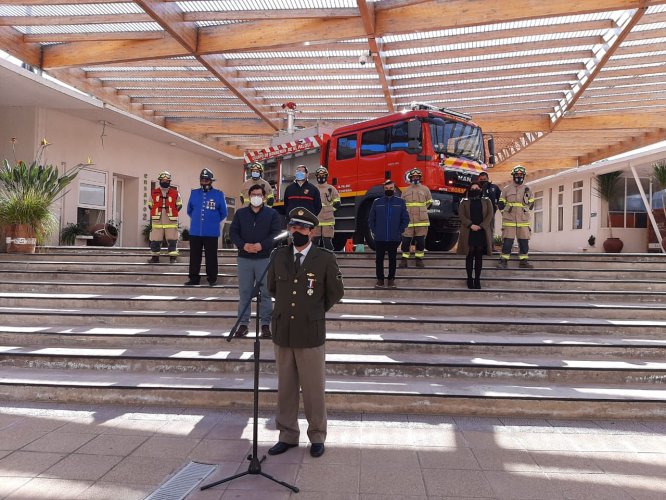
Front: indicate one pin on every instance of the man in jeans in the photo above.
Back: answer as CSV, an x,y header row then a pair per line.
x,y
252,231
387,221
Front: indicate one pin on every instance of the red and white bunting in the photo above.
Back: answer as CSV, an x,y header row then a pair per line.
x,y
285,149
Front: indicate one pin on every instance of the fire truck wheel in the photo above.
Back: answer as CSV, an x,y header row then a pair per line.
x,y
441,242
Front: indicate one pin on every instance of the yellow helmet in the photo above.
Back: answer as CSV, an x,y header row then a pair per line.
x,y
257,166
520,170
164,175
415,172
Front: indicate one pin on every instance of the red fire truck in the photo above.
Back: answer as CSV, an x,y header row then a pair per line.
x,y
445,145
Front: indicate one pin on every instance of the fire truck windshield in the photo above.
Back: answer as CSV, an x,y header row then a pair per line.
x,y
453,138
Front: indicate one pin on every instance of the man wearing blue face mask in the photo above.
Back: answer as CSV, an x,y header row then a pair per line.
x,y
301,193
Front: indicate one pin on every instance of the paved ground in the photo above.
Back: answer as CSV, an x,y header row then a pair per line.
x,y
124,453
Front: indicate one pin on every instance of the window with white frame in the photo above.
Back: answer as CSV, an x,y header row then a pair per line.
x,y
577,205
538,212
560,208
91,208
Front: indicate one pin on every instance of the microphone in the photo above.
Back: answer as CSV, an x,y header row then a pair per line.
x,y
282,236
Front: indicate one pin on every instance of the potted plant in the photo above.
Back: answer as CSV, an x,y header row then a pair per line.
x,y
69,233
145,232
659,171
607,187
498,241
26,195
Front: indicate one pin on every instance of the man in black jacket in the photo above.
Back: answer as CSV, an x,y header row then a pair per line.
x,y
252,231
302,193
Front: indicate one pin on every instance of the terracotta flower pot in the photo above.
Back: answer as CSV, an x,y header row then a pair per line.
x,y
20,238
104,235
613,245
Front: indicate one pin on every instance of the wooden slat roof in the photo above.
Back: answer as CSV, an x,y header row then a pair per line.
x,y
558,83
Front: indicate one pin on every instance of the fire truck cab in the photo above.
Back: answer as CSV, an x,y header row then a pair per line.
x,y
445,145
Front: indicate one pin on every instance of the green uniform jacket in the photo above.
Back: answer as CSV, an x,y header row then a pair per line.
x,y
301,301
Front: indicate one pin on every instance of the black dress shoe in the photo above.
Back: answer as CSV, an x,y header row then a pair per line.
x,y
212,282
241,331
192,283
280,447
317,449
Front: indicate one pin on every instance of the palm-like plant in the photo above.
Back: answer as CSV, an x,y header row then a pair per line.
x,y
606,187
28,191
659,170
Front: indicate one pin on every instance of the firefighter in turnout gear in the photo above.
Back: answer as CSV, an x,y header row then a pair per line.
x,y
418,200
256,177
164,205
516,204
330,201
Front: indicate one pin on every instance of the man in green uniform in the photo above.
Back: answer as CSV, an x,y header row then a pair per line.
x,y
306,282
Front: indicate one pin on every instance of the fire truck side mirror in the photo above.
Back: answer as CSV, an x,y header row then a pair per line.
x,y
491,150
413,136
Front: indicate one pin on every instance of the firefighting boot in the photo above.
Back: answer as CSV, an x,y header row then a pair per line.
x,y
419,262
155,259
525,264
502,264
403,263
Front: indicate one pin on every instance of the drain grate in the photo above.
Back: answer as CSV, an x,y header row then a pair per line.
x,y
185,480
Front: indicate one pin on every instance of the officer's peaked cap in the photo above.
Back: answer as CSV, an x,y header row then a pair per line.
x,y
303,217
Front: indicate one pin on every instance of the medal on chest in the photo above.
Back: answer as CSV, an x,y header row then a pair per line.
x,y
310,283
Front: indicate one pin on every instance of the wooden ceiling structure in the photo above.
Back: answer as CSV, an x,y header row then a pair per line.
x,y
558,83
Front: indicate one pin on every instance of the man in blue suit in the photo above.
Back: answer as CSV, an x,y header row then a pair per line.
x,y
207,209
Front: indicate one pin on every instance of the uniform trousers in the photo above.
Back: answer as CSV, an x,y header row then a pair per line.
x,y
209,245
303,368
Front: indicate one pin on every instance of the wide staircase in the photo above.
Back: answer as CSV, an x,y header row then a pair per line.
x,y
581,335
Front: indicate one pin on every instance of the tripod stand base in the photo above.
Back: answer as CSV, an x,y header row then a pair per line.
x,y
255,469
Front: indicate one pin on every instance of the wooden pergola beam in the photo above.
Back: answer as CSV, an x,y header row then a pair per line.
x,y
12,42
191,127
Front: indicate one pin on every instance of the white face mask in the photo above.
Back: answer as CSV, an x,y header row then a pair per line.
x,y
256,201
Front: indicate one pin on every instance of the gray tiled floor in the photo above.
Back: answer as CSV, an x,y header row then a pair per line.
x,y
112,452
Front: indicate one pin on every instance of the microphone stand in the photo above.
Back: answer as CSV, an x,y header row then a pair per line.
x,y
255,463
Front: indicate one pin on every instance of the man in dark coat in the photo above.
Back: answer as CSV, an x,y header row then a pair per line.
x,y
387,220
253,230
306,282
302,193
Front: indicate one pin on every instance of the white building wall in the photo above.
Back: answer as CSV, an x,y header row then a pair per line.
x,y
129,156
595,222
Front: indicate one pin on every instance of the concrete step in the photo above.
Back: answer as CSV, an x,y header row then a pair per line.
x,y
335,320
139,253
413,308
457,290
520,280
453,269
399,364
461,343
379,394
